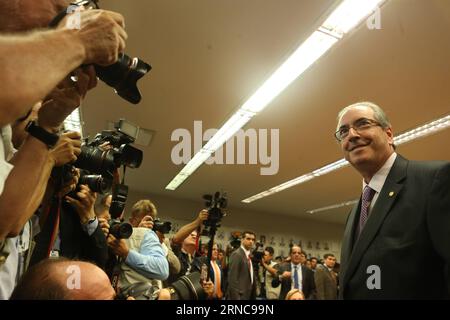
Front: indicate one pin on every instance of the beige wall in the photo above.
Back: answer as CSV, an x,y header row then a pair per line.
x,y
279,227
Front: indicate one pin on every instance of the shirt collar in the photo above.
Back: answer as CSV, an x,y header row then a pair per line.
x,y
329,269
299,266
247,252
377,181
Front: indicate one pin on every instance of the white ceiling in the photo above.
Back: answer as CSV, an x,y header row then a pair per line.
x,y
209,56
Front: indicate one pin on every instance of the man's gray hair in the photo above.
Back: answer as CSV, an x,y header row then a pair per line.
x,y
379,114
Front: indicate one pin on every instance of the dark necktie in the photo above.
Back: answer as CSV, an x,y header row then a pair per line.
x,y
367,197
296,284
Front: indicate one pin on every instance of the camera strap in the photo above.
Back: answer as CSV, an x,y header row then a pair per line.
x,y
55,227
116,275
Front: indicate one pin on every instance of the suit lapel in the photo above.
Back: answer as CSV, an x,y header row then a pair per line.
x,y
347,242
389,193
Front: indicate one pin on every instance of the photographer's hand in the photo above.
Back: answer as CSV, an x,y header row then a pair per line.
x,y
104,225
118,246
146,222
208,287
85,205
71,184
202,216
65,98
102,35
67,149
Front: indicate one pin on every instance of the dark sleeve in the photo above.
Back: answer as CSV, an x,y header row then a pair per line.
x,y
319,282
438,212
312,294
94,247
276,280
233,276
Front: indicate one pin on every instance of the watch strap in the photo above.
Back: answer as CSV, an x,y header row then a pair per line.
x,y
50,139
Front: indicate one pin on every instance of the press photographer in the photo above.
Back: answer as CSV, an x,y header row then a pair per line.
x,y
267,274
141,256
193,282
69,225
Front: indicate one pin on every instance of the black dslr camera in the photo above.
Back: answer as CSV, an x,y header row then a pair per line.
x,y
98,161
163,227
118,228
122,75
95,157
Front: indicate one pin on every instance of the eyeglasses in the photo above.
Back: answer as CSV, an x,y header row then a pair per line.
x,y
359,126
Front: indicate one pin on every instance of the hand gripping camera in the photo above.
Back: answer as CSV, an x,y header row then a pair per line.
x,y
122,75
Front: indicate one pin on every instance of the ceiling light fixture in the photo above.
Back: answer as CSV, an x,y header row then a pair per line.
x,y
334,206
345,17
416,133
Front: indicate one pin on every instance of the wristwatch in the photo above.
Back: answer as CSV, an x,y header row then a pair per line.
x,y
50,139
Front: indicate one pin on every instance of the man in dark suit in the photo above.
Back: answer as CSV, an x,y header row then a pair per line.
x,y
241,277
325,279
402,221
292,275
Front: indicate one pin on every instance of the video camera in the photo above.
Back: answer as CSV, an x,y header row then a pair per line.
x,y
257,254
214,206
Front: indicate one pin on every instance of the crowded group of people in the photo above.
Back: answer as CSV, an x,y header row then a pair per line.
x,y
58,241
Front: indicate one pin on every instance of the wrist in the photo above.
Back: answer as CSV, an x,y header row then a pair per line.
x,y
87,219
73,39
124,254
48,137
51,161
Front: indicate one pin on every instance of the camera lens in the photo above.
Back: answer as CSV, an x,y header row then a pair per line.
x,y
129,156
187,288
94,159
95,182
123,76
120,230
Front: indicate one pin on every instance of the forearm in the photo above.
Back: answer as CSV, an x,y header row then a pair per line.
x,y
153,266
22,192
32,65
272,270
185,231
41,188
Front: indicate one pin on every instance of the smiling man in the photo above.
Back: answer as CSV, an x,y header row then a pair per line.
x,y
402,220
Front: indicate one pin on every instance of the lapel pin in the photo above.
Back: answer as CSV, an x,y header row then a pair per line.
x,y
391,193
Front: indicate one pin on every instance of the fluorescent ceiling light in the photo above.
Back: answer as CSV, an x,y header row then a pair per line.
x,y
349,14
229,129
341,20
73,122
423,131
419,132
309,52
334,206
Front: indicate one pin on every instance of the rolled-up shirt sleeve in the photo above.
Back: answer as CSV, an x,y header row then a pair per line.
x,y
150,260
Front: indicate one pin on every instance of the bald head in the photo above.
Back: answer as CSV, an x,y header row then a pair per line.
x,y
63,279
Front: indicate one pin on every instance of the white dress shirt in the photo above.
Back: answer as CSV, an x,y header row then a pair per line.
x,y
378,180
